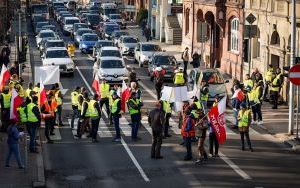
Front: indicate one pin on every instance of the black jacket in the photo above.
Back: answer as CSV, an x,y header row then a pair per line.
x,y
156,119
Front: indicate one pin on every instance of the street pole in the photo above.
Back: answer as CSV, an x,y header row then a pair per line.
x,y
149,13
297,115
293,43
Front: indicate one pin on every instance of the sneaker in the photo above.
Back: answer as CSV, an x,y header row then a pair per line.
x,y
216,155
260,122
210,155
199,161
254,122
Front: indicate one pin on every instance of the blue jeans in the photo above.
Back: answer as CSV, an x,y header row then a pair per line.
x,y
13,149
74,115
32,128
116,120
235,114
135,118
95,127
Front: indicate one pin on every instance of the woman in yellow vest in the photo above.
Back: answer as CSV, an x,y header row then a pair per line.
x,y
58,97
244,121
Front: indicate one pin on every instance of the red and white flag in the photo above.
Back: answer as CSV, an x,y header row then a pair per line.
x,y
43,95
216,116
96,85
4,76
239,94
125,94
15,103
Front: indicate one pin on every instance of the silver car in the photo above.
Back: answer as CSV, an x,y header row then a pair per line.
x,y
144,52
127,45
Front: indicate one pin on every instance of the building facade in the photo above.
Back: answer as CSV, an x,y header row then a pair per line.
x,y
214,28
271,43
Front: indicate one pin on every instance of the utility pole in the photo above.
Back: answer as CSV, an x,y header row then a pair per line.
x,y
149,13
292,90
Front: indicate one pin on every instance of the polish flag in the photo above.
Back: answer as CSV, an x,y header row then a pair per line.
x,y
125,94
15,103
239,94
4,76
216,116
43,95
96,85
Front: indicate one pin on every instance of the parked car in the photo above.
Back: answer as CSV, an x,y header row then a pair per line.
x,y
77,26
165,61
99,44
215,80
59,56
44,34
68,24
87,42
39,26
117,18
109,29
127,45
92,20
144,52
113,70
79,34
116,36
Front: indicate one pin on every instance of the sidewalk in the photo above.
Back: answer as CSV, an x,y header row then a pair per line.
x,y
275,121
33,175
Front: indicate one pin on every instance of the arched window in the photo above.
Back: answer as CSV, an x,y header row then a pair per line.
x,y
275,39
234,35
187,21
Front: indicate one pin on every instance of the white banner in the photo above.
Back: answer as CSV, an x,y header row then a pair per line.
x,y
174,94
48,74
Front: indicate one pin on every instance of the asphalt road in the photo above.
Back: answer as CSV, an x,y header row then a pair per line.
x,y
70,162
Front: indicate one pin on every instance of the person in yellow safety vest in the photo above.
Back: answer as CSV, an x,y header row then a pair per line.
x,y
19,90
34,121
85,115
248,83
59,99
104,96
244,119
95,113
116,114
28,90
115,89
75,104
134,108
167,109
280,76
274,91
257,93
71,49
204,96
13,81
5,99
22,113
80,102
269,77
37,88
179,77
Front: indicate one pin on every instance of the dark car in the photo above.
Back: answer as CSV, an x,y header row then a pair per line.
x,y
49,43
99,44
93,20
164,60
37,19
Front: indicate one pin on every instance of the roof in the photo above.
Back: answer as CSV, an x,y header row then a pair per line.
x,y
71,18
110,48
104,41
56,48
89,34
111,58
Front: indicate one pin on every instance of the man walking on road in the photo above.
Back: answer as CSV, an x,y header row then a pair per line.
x,y
85,115
185,58
244,119
158,80
59,97
48,114
116,114
5,98
166,106
188,132
156,122
95,114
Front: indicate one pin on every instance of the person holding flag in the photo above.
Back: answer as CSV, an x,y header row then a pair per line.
x,y
244,119
95,114
200,129
213,141
237,98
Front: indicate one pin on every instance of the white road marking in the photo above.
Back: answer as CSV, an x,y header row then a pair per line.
x,y
135,162
234,167
90,57
86,83
103,131
57,135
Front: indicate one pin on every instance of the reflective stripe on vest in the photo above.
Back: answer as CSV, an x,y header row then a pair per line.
x,y
269,75
198,104
132,110
104,90
6,100
179,78
31,116
91,110
23,115
204,97
243,122
114,106
275,84
249,82
74,98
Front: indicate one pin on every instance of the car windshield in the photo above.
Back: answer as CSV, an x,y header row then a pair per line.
x,y
115,16
104,43
81,32
110,53
110,28
130,40
55,44
112,64
71,22
118,34
39,9
57,54
81,26
150,47
47,35
110,11
212,78
89,37
41,24
93,18
39,18
164,60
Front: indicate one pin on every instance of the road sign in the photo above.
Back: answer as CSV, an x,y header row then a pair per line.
x,y
294,74
251,18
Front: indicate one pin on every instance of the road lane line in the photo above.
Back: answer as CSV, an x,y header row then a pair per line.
x,y
104,131
86,83
234,167
135,162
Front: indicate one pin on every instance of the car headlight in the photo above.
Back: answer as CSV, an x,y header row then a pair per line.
x,y
70,65
83,45
103,75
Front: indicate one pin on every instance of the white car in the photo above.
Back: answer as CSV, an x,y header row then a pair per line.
x,y
127,45
144,52
68,23
44,34
113,70
58,56
109,51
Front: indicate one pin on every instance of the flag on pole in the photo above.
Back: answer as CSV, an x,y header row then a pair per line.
x,y
4,76
96,85
43,96
125,94
15,103
216,116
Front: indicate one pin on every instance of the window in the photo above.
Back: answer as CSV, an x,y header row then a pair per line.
x,y
234,35
275,39
187,21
